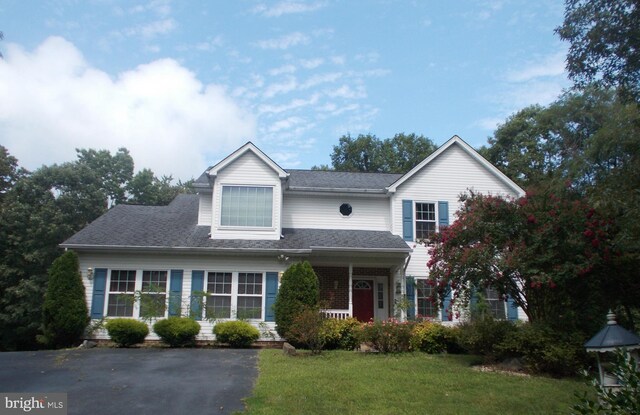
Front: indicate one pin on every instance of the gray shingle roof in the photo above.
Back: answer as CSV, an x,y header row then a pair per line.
x,y
175,226
327,180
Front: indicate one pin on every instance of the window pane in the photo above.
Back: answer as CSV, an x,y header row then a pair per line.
x,y
219,283
122,281
424,291
120,305
425,220
249,307
496,304
218,306
153,305
246,206
425,229
250,283
154,281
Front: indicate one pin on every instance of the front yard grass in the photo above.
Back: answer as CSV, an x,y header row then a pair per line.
x,y
339,382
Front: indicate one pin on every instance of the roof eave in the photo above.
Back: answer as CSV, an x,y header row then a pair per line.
x,y
180,249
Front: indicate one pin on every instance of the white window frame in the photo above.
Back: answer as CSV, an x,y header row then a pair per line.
x,y
416,220
436,314
498,301
236,226
235,281
165,292
137,289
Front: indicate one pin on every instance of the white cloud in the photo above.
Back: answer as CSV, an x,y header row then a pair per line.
x,y
284,42
284,69
549,66
281,88
311,63
151,30
286,7
169,120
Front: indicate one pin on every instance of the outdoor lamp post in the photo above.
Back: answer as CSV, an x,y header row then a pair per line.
x,y
610,338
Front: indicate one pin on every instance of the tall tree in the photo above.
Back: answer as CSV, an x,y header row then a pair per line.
x,y
115,171
367,153
604,38
146,189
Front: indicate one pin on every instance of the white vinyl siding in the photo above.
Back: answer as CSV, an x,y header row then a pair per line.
x,y
188,263
247,171
323,212
205,208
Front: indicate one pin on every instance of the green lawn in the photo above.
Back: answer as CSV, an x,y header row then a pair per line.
x,y
413,383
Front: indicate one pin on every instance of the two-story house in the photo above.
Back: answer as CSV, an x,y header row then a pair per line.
x,y
219,254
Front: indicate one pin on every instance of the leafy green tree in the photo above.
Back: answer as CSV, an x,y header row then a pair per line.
x,y
604,38
367,153
299,289
9,171
65,313
545,251
146,189
114,171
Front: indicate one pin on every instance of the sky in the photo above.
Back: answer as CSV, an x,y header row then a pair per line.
x,y
183,83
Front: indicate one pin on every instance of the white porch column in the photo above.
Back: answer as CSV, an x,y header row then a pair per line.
x,y
350,290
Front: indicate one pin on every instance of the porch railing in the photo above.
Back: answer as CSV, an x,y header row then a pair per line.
x,y
337,314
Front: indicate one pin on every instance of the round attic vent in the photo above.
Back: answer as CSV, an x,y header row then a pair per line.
x,y
346,209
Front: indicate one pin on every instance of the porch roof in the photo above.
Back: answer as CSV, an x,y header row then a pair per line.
x,y
174,227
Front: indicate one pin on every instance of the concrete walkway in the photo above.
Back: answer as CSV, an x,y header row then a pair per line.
x,y
136,381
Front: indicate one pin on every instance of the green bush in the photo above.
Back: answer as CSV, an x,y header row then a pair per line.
x,y
306,330
64,311
430,337
126,332
544,350
340,334
388,336
298,290
177,331
236,333
480,336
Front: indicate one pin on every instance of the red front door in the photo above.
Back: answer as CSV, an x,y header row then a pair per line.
x,y
363,299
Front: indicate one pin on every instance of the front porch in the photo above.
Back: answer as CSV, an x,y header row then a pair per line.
x,y
362,292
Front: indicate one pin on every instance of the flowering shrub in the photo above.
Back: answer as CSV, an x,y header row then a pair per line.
x,y
306,330
340,334
387,336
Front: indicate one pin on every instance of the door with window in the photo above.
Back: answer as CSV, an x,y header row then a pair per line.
x,y
363,299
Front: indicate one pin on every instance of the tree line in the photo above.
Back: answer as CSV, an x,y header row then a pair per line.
x,y
41,209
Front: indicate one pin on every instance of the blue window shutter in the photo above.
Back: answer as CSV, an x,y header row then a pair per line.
x,y
407,220
443,214
99,287
446,303
512,309
197,284
411,297
175,292
272,292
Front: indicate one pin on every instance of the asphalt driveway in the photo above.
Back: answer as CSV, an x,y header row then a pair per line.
x,y
136,381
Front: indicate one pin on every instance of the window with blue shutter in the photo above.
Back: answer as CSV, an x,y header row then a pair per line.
x,y
175,292
407,220
443,214
271,294
197,289
512,309
446,305
411,298
99,287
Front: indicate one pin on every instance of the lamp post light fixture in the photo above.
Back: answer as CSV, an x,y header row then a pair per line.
x,y
607,340
89,273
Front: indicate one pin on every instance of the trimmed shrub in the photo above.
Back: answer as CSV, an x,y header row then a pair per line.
x,y
480,336
298,290
430,337
177,331
388,336
340,334
544,350
236,333
64,311
126,332
305,330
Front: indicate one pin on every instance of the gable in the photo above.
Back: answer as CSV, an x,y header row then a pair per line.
x,y
460,165
247,149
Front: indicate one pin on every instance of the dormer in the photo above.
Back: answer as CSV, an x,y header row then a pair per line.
x,y
246,196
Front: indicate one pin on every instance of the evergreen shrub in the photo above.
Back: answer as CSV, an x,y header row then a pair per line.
x,y
298,290
236,333
126,332
64,311
433,338
177,331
